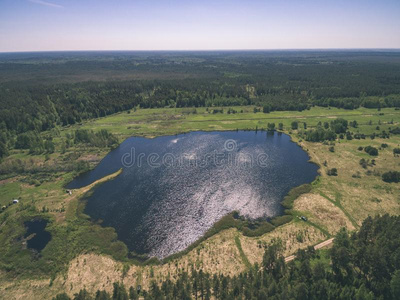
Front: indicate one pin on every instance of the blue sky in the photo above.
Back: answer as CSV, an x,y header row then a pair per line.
x,y
39,25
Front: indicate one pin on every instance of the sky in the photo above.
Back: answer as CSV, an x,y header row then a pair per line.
x,y
48,25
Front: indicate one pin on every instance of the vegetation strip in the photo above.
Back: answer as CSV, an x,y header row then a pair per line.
x,y
242,254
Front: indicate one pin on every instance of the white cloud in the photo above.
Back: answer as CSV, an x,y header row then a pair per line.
x,y
46,3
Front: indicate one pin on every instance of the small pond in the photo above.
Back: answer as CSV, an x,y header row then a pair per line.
x,y
40,236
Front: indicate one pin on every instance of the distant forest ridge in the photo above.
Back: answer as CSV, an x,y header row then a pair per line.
x,y
41,90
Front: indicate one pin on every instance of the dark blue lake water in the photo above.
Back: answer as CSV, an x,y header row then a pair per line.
x,y
174,188
40,236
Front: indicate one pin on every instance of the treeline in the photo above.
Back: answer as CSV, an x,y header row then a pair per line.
x,y
271,80
100,139
326,131
36,144
364,265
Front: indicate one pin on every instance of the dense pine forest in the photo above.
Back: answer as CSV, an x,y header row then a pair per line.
x,y
40,91
364,265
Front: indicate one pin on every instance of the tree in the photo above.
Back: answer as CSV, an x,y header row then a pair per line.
x,y
3,151
371,150
395,285
82,295
62,296
273,261
295,125
319,135
339,125
271,126
266,108
301,291
280,127
49,146
102,295
391,176
354,124
332,172
119,292
133,295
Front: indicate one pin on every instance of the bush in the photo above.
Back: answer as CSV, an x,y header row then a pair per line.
x,y
266,108
391,176
294,194
278,221
339,125
395,130
332,172
371,150
319,135
271,126
102,138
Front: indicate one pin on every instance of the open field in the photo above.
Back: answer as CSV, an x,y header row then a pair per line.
x,y
94,258
155,122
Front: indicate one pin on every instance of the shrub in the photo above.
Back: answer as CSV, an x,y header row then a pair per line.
x,y
102,138
371,150
391,176
294,194
266,108
271,126
395,130
339,125
332,172
319,135
280,220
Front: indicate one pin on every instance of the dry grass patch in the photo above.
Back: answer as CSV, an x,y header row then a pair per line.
x,y
26,289
294,236
218,254
92,272
321,211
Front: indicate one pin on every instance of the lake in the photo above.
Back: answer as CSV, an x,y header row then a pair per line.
x,y
174,188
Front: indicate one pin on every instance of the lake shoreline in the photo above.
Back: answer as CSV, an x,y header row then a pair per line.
x,y
231,220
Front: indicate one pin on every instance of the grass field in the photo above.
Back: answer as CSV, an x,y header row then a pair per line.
x,y
155,122
84,254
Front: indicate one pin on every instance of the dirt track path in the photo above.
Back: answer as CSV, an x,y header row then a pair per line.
x,y
316,247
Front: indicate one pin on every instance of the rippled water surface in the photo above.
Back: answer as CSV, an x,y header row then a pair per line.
x,y
174,188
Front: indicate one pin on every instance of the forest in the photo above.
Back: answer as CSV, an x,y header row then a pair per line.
x,y
61,113
364,265
40,91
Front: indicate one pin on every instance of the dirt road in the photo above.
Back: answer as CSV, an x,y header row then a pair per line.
x,y
316,247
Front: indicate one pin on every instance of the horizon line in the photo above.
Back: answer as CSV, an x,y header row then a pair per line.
x,y
203,50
